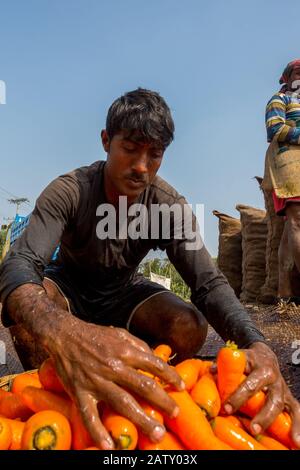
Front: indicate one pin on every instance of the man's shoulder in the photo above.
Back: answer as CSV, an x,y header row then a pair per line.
x,y
85,174
163,191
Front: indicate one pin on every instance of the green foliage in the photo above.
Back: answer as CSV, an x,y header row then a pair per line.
x,y
2,241
164,267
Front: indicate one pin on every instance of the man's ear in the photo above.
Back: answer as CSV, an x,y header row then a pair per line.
x,y
105,140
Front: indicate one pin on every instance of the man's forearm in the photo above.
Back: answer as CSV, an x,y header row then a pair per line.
x,y
30,306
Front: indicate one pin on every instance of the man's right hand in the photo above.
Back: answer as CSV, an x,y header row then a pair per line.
x,y
96,363
99,363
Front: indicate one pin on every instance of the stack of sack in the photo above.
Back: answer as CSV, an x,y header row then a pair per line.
x,y
248,251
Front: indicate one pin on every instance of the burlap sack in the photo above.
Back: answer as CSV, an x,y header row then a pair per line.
x,y
282,169
254,241
230,250
275,228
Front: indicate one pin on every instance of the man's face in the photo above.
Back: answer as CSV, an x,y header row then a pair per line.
x,y
131,165
294,80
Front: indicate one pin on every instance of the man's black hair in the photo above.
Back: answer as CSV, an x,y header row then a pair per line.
x,y
143,115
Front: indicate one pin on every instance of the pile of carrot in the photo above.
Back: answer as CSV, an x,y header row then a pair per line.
x,y
37,413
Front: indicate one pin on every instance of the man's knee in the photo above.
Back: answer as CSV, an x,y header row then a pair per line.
x,y
188,332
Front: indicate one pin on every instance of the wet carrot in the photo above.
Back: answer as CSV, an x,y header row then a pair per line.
x,y
231,363
235,437
81,438
188,371
163,351
24,380
5,434
206,395
47,430
122,431
235,420
280,429
12,406
17,428
168,442
270,443
49,378
191,426
151,411
265,440
38,399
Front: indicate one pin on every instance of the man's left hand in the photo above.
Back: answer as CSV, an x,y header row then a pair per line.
x,y
264,374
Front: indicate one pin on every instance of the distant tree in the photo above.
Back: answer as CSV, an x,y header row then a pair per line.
x,y
164,267
2,241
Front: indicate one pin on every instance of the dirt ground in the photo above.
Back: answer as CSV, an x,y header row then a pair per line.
x,y
280,324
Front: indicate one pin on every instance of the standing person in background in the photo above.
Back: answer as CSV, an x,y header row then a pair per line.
x,y
283,126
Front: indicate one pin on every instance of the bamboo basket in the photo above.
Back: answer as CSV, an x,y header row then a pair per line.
x,y
6,380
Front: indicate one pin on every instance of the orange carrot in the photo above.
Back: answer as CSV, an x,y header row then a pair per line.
x,y
122,431
12,406
163,351
17,428
168,442
231,363
49,378
265,440
151,411
23,380
270,443
236,438
191,426
188,371
206,395
5,434
47,430
81,438
38,399
280,429
235,420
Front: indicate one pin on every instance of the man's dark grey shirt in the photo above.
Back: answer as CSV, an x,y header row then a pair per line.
x,y
65,214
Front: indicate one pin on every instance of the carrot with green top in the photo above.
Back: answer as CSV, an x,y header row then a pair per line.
x,y
122,431
231,363
191,425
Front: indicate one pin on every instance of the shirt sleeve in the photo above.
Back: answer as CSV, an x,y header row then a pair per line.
x,y
33,250
276,124
211,293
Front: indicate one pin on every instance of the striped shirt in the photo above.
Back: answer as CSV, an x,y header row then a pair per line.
x,y
283,118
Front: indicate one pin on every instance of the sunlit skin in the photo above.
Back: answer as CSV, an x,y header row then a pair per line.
x,y
131,166
294,77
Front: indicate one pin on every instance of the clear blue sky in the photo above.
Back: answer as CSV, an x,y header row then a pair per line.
x,y
216,63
